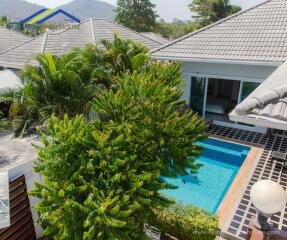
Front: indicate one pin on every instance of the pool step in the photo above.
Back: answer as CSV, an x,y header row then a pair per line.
x,y
224,150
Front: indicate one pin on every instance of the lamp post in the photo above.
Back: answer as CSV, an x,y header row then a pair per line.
x,y
268,198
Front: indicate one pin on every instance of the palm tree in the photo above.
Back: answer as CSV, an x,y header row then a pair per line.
x,y
55,87
123,55
67,84
114,58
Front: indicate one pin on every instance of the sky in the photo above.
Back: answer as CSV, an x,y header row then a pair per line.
x,y
166,9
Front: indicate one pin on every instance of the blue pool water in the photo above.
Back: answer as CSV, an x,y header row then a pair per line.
x,y
222,161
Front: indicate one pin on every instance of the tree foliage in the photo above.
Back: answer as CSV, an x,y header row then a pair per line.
x,y
210,11
4,124
21,28
175,29
59,86
4,21
67,84
186,222
138,15
102,178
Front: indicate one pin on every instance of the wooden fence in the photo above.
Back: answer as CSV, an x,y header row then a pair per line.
x,y
22,226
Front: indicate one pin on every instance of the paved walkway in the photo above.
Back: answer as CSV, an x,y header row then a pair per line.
x,y
264,170
15,151
4,200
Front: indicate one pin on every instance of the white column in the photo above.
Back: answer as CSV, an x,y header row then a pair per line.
x,y
186,88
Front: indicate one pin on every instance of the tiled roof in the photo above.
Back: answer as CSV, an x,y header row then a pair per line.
x,y
61,41
10,38
156,37
258,34
268,102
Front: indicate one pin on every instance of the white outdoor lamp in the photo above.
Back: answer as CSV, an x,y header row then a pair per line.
x,y
268,198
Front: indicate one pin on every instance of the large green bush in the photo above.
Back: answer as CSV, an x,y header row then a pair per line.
x,y
102,178
186,222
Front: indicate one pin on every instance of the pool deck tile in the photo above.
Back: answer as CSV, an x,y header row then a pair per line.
x,y
242,209
225,210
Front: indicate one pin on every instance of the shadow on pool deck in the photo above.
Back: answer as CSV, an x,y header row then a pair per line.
x,y
15,151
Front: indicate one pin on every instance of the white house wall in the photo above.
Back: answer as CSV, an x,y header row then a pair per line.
x,y
240,72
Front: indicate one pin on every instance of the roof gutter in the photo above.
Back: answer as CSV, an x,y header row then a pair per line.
x,y
202,60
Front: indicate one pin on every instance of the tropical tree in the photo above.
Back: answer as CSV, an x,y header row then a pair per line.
x,y
103,178
138,15
112,59
210,11
175,29
4,21
60,85
67,84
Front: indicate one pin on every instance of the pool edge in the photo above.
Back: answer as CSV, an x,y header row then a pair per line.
x,y
233,196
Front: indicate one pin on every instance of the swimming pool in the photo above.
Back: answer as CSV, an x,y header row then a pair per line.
x,y
222,161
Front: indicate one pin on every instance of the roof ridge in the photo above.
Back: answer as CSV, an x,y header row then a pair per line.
x,y
120,25
41,35
93,31
210,26
44,42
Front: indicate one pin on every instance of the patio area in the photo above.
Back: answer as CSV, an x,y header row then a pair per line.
x,y
243,211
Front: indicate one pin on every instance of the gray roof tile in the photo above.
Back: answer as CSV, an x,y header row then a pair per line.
x,y
61,41
256,34
268,101
10,38
156,37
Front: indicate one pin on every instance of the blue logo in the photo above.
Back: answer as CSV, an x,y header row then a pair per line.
x,y
44,15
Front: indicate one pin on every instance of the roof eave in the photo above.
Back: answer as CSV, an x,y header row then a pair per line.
x,y
258,121
17,66
222,61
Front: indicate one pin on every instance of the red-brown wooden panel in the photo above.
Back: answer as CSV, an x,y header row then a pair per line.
x,y
22,227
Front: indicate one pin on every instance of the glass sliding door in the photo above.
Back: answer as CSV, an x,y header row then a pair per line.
x,y
198,94
247,88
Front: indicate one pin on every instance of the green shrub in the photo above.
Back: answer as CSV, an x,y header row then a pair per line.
x,y
4,126
102,178
186,222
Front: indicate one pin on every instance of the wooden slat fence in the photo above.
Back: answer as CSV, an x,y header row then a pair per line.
x,y
22,227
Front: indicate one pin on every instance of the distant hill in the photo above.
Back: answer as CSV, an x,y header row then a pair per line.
x,y
82,9
17,9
